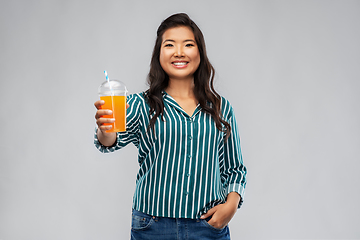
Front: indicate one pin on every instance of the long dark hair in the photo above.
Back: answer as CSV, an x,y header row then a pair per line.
x,y
204,91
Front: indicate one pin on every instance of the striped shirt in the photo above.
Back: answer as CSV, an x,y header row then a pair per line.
x,y
186,168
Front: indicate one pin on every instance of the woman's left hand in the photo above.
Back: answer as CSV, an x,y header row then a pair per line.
x,y
223,213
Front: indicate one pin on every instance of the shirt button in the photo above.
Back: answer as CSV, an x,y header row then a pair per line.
x,y
189,156
186,193
188,175
190,137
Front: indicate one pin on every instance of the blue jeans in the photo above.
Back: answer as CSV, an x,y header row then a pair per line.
x,y
146,227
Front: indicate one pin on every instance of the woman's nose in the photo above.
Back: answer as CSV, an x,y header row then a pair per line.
x,y
179,52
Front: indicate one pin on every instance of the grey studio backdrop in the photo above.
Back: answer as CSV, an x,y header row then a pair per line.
x,y
289,68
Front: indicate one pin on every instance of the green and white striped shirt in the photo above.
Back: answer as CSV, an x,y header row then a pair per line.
x,y
186,168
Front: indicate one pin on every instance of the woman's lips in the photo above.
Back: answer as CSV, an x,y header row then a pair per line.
x,y
180,64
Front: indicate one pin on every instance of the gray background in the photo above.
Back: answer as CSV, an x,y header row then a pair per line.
x,y
289,68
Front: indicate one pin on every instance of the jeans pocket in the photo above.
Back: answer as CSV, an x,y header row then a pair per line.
x,y
140,221
205,222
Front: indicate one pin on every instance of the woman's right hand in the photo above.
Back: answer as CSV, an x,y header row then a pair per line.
x,y
100,120
106,139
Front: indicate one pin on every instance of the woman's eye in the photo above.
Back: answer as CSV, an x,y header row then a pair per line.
x,y
189,45
168,45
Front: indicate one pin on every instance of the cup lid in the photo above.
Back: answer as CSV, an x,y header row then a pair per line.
x,y
112,87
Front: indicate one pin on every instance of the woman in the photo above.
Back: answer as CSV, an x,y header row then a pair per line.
x,y
191,178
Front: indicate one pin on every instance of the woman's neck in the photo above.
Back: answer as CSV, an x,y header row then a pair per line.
x,y
181,88
182,91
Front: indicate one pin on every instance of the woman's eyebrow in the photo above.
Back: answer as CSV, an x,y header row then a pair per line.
x,y
187,40
168,40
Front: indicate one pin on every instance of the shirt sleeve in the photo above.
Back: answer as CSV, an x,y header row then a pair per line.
x,y
132,128
233,171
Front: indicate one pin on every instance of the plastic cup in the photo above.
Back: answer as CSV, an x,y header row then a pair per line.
x,y
113,92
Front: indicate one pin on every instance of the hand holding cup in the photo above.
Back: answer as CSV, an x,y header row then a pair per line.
x,y
102,121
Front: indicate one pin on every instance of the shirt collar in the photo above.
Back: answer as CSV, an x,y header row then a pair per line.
x,y
171,101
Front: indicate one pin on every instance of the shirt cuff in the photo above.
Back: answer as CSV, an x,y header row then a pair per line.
x,y
102,148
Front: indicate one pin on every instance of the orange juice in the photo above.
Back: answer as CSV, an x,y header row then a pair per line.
x,y
118,106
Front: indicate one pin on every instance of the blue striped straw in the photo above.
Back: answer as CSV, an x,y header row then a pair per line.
x,y
107,79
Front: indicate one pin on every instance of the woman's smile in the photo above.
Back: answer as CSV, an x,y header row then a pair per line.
x,y
180,64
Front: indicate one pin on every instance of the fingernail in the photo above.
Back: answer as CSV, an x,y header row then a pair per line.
x,y
112,119
109,112
202,217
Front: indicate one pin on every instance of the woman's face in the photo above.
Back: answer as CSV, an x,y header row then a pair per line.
x,y
179,53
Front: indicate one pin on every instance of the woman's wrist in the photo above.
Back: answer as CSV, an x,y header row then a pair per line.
x,y
106,139
233,199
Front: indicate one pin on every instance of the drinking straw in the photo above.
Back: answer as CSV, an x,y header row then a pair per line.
x,y
107,79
